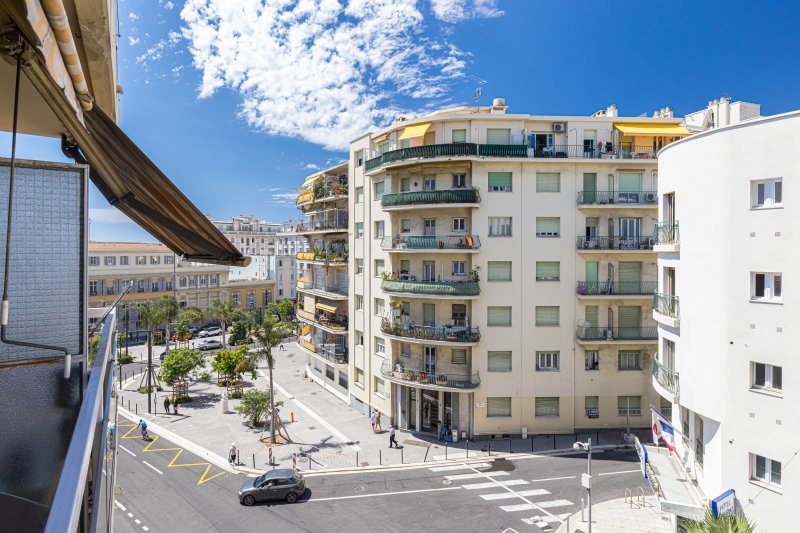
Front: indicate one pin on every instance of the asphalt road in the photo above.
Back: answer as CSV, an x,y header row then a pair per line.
x,y
193,496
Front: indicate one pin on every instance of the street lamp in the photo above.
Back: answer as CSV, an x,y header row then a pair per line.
x,y
586,479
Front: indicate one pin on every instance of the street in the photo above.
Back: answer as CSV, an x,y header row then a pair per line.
x,y
165,488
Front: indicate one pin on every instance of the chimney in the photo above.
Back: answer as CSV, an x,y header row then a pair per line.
x,y
611,111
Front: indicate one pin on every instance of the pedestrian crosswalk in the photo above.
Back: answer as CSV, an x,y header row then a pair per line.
x,y
511,494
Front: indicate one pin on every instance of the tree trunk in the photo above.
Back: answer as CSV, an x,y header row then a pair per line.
x,y
149,368
223,333
166,335
271,402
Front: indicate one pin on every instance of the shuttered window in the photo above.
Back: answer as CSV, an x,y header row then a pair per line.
x,y
629,360
500,181
630,316
629,405
630,182
499,361
459,356
630,271
498,406
459,136
548,226
592,406
548,182
378,190
499,271
591,314
498,136
548,270
498,316
546,315
592,268
429,314
547,406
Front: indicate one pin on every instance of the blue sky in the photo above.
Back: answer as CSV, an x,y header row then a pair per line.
x,y
237,103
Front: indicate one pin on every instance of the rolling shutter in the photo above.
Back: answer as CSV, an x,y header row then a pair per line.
x,y
548,182
548,226
547,406
591,313
500,181
548,270
592,268
630,182
499,361
547,315
498,136
630,271
498,316
459,356
429,314
498,406
629,321
499,271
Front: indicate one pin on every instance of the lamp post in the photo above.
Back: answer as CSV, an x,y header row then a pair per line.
x,y
586,479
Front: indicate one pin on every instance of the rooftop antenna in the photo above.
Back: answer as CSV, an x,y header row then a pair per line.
x,y
479,91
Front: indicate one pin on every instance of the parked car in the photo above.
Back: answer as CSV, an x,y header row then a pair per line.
x,y
282,484
210,332
209,344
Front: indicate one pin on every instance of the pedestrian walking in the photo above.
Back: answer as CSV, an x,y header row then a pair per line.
x,y
232,454
372,420
443,433
392,440
282,348
175,407
166,405
439,430
378,427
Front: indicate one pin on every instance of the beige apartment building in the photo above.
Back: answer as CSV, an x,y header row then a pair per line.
x,y
503,270
322,280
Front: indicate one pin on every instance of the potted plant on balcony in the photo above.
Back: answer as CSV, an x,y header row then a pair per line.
x,y
420,376
408,375
474,274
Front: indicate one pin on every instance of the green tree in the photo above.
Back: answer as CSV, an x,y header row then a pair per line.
x,y
226,312
255,404
268,333
181,330
94,346
191,314
168,309
150,315
232,363
178,363
238,332
285,309
729,523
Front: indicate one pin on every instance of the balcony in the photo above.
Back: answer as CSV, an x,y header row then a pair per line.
x,y
415,199
445,243
330,352
666,237
617,199
330,291
324,258
601,334
337,324
398,373
333,191
437,334
666,309
666,382
331,220
422,152
616,288
620,244
455,289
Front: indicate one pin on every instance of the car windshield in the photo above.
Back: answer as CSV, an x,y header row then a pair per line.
x,y
260,479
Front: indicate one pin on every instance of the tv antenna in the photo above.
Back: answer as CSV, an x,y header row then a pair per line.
x,y
479,91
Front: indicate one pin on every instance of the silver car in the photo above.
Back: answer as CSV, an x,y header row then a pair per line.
x,y
282,484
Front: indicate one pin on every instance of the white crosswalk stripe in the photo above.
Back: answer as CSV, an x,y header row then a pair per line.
x,y
537,520
490,484
509,495
537,505
458,467
460,477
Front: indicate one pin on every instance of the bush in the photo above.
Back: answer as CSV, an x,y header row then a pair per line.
x,y
153,388
204,376
125,358
254,405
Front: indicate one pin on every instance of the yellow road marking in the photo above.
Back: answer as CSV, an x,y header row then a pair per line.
x,y
133,428
179,451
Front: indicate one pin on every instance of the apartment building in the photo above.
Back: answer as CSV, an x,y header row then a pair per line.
x,y
503,270
724,321
322,279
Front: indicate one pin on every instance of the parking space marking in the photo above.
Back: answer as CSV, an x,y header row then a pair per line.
x,y
123,448
620,472
459,477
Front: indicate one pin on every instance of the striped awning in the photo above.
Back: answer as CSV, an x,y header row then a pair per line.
x,y
328,308
309,181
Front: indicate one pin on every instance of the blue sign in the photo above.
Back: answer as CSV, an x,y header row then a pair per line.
x,y
724,504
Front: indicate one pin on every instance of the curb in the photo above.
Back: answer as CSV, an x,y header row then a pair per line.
x,y
375,468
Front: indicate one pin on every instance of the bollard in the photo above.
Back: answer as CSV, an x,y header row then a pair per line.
x,y
467,448
531,443
554,442
271,462
137,408
237,459
356,458
445,450
292,417
380,457
254,461
490,447
426,454
583,519
310,461
597,437
129,405
509,446
294,460
401,456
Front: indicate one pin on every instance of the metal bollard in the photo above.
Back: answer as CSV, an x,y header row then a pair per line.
x,y
237,459
380,457
582,518
137,408
531,443
401,456
310,461
490,447
554,442
467,448
509,447
254,461
445,450
356,458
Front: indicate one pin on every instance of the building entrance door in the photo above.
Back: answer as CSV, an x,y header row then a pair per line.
x,y
430,410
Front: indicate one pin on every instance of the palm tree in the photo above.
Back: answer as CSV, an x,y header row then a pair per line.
x,y
728,523
151,316
169,308
226,312
268,333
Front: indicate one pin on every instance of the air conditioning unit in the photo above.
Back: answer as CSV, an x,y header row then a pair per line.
x,y
650,197
609,335
559,127
585,245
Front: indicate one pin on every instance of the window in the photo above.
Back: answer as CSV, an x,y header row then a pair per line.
x,y
141,260
359,230
429,226
359,162
379,229
169,259
359,266
592,360
359,338
459,268
498,136
405,266
458,313
429,183
767,193
359,303
547,315
459,356
629,405
94,260
405,225
548,182
380,346
499,361
383,147
123,260
459,136
359,195
379,306
406,309
405,184
499,181
459,181
548,361
379,269
499,271
592,406
665,406
359,376
547,406
765,470
155,259
498,406
378,190
380,386
766,376
93,288
405,349
459,224
548,271
500,226
548,226
182,281
109,260
235,298
498,316
699,445
629,360
766,286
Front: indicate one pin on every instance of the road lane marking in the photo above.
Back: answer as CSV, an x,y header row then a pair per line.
x,y
154,468
456,467
553,479
545,519
127,450
458,477
620,472
380,494
489,484
452,455
122,507
145,528
172,464
532,506
137,521
507,495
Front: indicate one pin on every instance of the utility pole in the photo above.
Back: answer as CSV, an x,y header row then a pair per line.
x,y
586,479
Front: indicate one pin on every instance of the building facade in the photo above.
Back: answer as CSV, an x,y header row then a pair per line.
x,y
322,279
724,320
502,270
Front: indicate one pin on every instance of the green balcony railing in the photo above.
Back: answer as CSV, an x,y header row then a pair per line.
x,y
432,288
666,378
418,152
666,304
450,196
503,150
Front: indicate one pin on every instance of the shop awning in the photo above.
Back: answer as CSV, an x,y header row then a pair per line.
x,y
309,181
328,308
417,130
667,130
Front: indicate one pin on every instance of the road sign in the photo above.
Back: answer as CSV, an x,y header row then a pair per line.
x,y
724,504
586,481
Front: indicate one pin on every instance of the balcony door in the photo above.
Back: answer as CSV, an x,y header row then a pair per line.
x,y
629,321
430,360
668,355
591,228
589,187
630,228
591,313
630,276
429,271
630,185
430,227
428,315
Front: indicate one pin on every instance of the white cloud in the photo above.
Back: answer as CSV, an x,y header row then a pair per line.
x,y
166,5
108,215
459,10
322,70
311,166
133,16
133,41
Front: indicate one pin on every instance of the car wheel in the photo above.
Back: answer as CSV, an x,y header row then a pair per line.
x,y
291,497
249,500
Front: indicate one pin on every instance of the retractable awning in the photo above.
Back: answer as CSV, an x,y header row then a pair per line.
x,y
328,308
668,130
417,130
309,181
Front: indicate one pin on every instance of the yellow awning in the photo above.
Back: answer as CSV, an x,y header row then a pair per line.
x,y
669,130
305,330
417,130
309,181
328,308
306,196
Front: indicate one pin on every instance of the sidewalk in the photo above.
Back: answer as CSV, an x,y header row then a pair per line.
x,y
621,516
331,433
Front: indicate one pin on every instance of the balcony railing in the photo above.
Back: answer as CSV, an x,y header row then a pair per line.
x,y
451,196
503,150
597,288
601,333
327,257
666,233
666,378
333,352
666,304
418,152
431,242
398,372
617,198
432,288
331,289
444,333
615,243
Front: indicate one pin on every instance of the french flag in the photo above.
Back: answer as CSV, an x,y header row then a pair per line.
x,y
663,429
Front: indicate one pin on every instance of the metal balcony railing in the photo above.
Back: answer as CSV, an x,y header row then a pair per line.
x,y
666,378
666,233
333,352
666,304
433,288
615,243
324,220
431,242
617,198
503,150
399,373
601,333
451,196
418,152
445,333
593,288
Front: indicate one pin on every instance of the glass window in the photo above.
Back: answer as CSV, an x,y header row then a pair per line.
x,y
359,156
498,271
459,268
766,286
379,268
359,303
547,406
459,224
767,376
379,225
459,181
500,226
359,376
169,259
123,260
405,225
498,406
405,349
359,195
380,346
359,266
460,136
629,405
498,316
378,190
767,193
109,260
405,184
380,386
359,340
547,315
592,360
548,361
94,260
155,259
592,406
499,361
548,226
379,306
429,183
548,270
548,182
629,360
359,230
141,260
499,181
